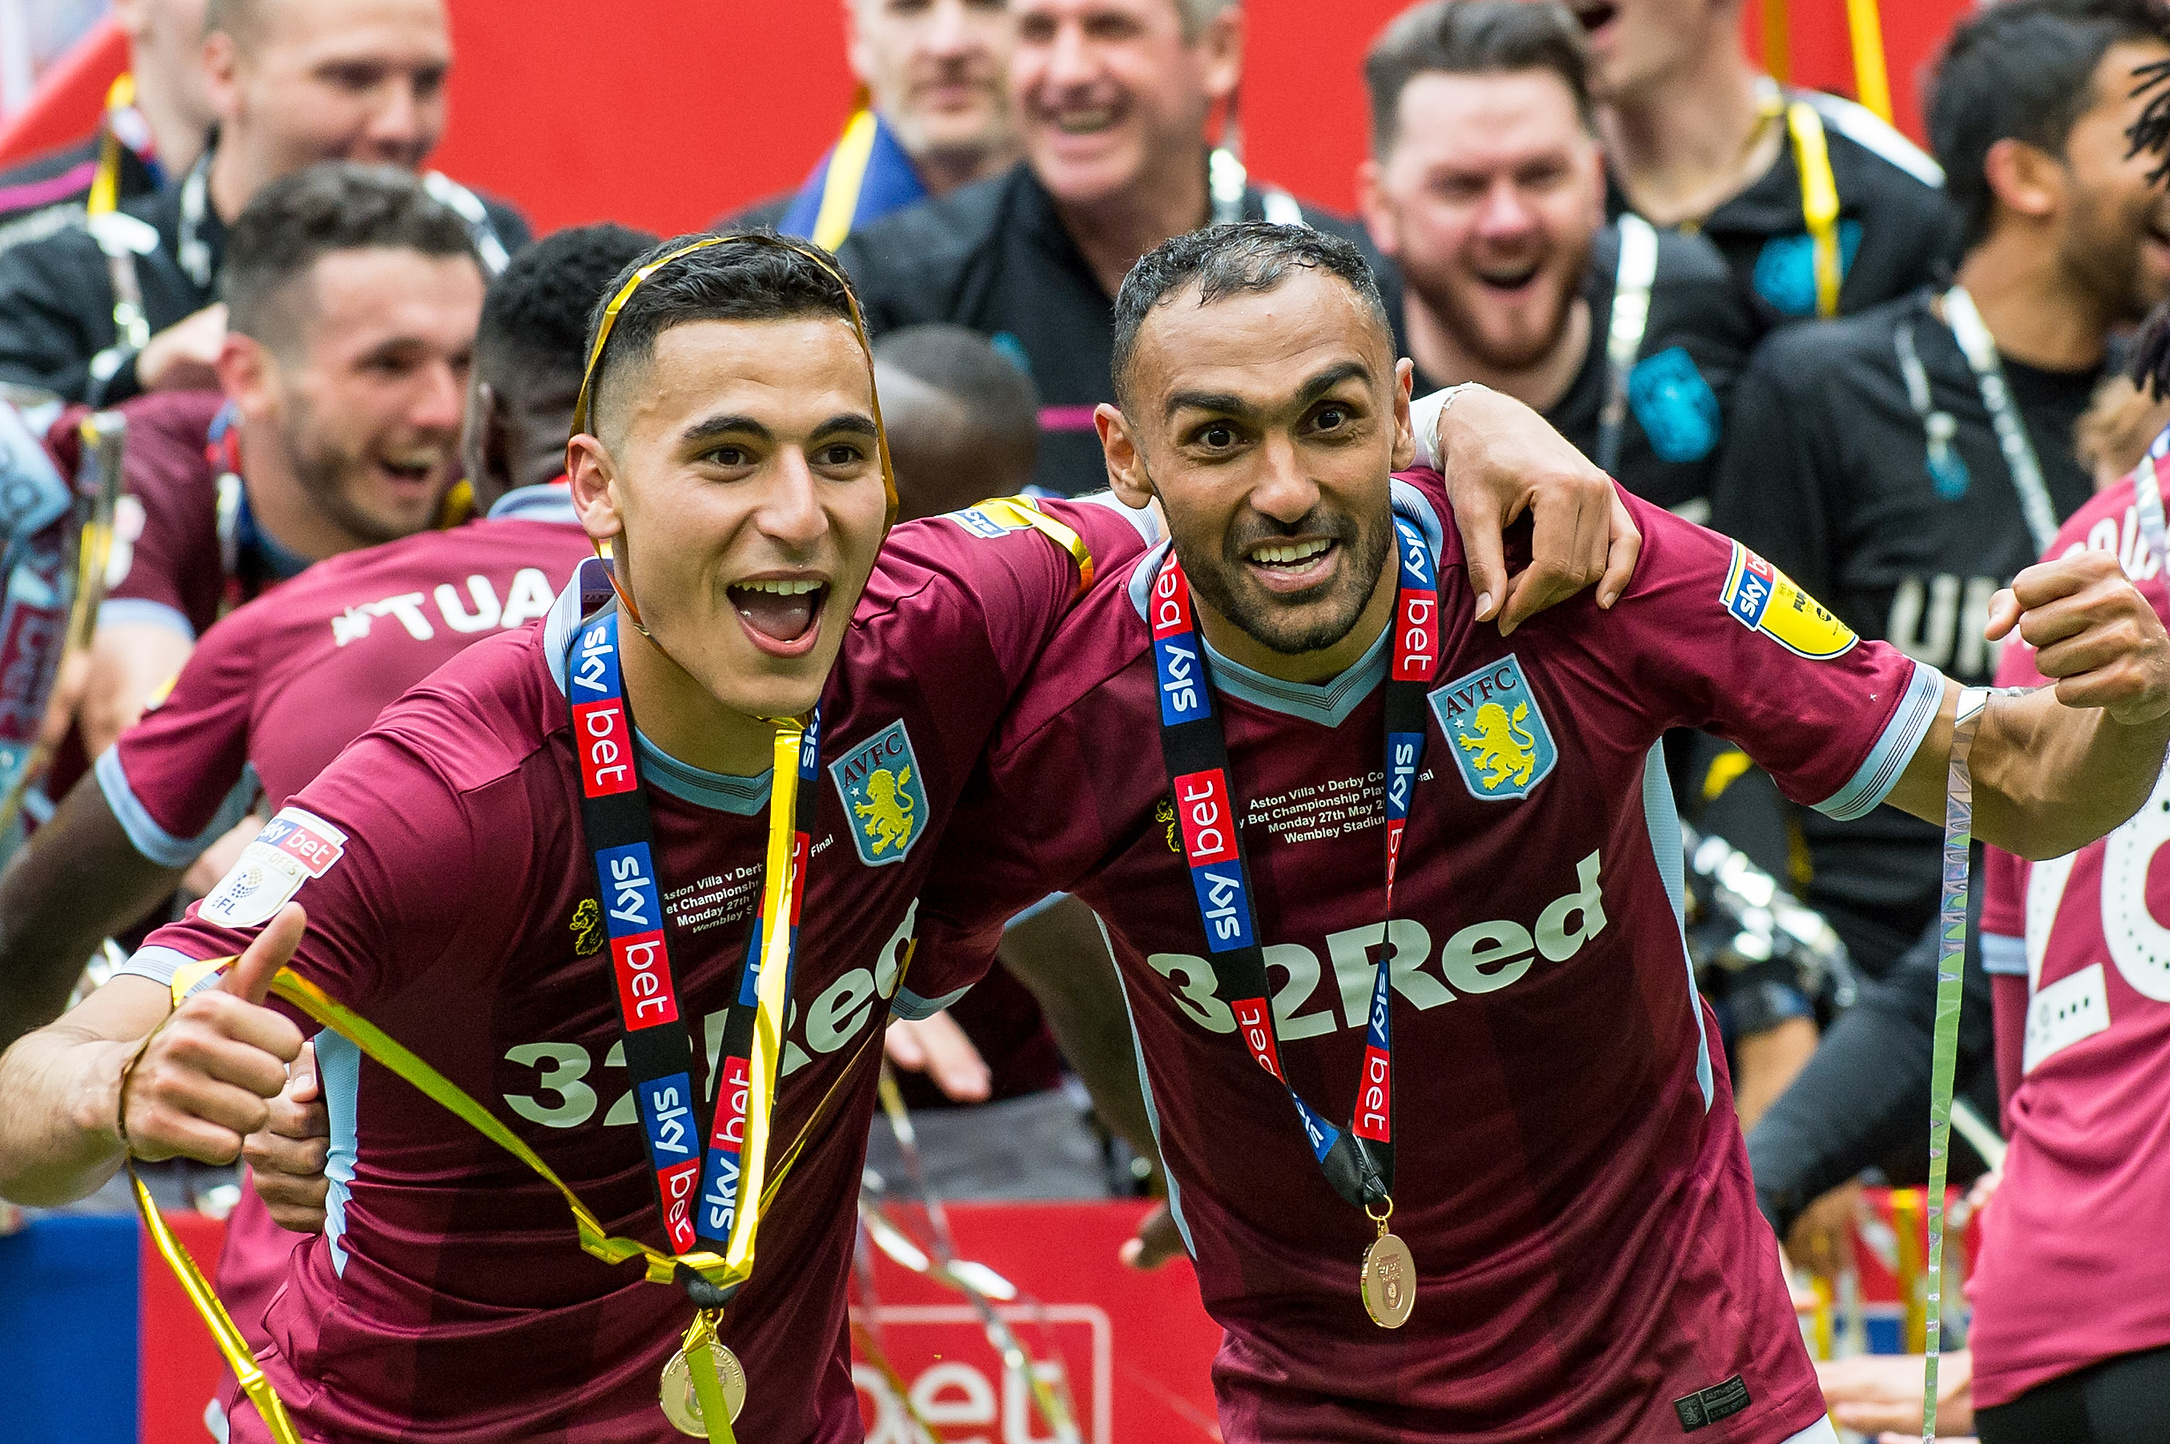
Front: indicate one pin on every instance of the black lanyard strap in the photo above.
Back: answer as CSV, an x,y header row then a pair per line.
x,y
1358,1161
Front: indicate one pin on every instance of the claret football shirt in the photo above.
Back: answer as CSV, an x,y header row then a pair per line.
x,y
1569,1173
451,904
2086,1192
275,690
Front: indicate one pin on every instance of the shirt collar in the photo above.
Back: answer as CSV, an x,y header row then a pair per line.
x,y
716,791
544,501
1327,703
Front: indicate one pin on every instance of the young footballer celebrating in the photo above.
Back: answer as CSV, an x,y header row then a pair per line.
x,y
1395,903
550,862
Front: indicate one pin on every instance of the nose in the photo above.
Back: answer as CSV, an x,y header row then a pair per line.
x,y
1070,59
948,35
441,404
790,513
398,129
1503,214
1284,491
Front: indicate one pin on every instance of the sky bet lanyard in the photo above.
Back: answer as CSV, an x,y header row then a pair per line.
x,y
1358,1161
700,1192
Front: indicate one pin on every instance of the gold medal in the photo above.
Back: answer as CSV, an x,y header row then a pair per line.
x,y
1389,1275
683,1406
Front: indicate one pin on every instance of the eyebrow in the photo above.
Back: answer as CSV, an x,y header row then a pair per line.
x,y
849,422
1226,404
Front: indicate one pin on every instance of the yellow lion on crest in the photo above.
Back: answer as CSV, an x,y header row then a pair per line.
x,y
1503,746
891,810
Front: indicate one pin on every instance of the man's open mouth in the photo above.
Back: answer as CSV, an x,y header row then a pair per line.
x,y
1292,565
779,613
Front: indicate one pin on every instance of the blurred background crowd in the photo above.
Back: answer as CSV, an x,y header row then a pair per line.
x,y
1888,357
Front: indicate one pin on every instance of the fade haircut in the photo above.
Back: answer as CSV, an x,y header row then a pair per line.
x,y
240,20
1196,15
535,314
998,398
299,219
718,283
1473,37
2023,70
1229,260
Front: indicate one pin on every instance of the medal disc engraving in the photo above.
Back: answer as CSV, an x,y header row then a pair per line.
x,y
1389,1282
683,1406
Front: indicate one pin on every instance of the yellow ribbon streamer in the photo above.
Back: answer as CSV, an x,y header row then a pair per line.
x,y
840,187
1872,83
105,182
1819,201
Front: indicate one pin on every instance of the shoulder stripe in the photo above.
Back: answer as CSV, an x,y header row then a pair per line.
x,y
2004,954
153,841
1868,130
1879,771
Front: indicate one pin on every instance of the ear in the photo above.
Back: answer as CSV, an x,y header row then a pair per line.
x,y
1373,206
594,478
483,450
1220,54
1405,437
221,74
856,50
249,374
2025,179
1127,477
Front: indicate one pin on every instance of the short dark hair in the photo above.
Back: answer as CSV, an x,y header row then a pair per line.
x,y
535,314
301,218
1227,260
959,362
772,282
2022,70
1473,37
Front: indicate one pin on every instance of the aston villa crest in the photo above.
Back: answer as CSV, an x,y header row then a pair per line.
x,y
1500,740
885,800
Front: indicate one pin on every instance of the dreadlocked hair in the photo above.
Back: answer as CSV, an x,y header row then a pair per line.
x,y
2151,132
2149,362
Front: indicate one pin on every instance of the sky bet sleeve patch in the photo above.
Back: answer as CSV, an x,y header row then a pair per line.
x,y
1764,599
294,847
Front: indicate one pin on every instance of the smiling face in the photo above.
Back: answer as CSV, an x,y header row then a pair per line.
x,y
1109,94
2114,234
935,70
1269,423
313,80
1489,200
737,478
365,401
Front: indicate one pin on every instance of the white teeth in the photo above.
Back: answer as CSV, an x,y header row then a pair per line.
x,y
781,588
1281,555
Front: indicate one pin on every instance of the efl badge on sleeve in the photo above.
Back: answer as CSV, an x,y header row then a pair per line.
x,y
1500,739
1764,599
294,847
885,800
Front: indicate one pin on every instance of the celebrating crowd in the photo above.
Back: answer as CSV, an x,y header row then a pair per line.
x,y
918,619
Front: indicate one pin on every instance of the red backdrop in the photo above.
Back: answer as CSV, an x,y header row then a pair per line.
x,y
665,114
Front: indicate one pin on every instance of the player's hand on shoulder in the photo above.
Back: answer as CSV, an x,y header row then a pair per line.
x,y
184,356
286,1156
203,1081
1500,459
1155,1242
2094,635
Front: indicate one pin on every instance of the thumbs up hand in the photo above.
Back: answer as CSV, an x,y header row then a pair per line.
x,y
204,1081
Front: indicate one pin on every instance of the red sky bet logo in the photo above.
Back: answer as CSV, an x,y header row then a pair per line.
x,y
1416,644
1171,600
1257,1033
315,848
644,980
1209,828
600,737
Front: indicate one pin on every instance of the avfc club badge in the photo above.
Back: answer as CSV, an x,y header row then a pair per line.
x,y
1500,739
885,799
1764,599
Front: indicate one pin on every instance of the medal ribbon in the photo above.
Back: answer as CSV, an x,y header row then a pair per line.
x,y
1980,349
1358,1161
699,1190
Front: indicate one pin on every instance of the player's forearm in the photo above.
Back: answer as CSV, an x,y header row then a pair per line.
x,y
77,883
2049,779
1059,955
59,1111
129,662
